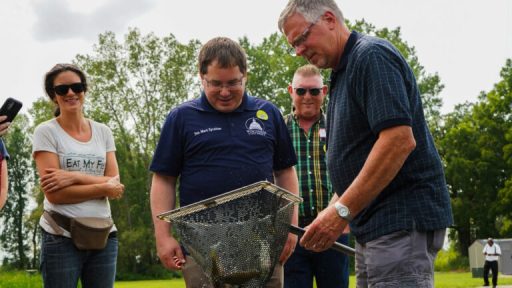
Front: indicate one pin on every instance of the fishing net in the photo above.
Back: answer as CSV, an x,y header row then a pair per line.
x,y
236,237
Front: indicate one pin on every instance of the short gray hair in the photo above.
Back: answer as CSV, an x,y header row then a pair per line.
x,y
310,9
308,70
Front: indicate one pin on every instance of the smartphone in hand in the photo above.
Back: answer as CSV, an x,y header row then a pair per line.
x,y
10,108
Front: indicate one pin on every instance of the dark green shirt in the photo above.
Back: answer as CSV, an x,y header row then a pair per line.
x,y
314,185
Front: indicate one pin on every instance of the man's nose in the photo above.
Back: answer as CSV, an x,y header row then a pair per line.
x,y
224,90
299,50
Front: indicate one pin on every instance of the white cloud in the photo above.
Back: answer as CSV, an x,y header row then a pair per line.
x,y
56,20
466,42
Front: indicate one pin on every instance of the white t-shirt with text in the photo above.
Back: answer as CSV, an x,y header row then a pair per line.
x,y
85,157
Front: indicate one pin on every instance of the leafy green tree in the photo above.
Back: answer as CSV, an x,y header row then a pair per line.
x,y
271,68
42,110
133,86
32,222
476,148
500,100
14,230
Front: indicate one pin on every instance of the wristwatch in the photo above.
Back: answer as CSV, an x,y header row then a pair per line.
x,y
343,211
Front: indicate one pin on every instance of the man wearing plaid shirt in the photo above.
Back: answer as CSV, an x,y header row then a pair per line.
x,y
306,125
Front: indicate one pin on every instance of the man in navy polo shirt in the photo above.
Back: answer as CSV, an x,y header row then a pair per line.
x,y
380,154
223,140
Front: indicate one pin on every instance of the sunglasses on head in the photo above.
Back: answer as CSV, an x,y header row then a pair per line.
x,y
64,88
312,91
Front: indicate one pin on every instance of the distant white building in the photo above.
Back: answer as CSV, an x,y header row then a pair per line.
x,y
477,259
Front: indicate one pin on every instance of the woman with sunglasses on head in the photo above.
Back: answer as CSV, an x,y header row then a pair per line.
x,y
77,166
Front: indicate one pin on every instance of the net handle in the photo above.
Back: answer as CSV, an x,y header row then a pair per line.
x,y
337,246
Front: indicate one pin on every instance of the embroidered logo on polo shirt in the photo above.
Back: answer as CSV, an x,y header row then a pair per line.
x,y
255,126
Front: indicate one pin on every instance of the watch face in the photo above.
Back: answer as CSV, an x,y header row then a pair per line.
x,y
342,211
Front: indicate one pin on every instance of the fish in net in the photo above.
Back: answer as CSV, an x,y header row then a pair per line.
x,y
236,237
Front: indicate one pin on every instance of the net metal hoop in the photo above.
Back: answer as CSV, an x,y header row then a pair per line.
x,y
169,216
236,237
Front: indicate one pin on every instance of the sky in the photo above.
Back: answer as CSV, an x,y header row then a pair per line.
x,y
465,42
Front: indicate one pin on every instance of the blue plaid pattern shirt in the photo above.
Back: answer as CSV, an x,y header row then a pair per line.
x,y
373,88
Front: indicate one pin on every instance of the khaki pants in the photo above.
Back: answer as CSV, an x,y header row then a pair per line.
x,y
195,277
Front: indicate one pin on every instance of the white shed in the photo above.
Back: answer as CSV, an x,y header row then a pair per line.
x,y
477,259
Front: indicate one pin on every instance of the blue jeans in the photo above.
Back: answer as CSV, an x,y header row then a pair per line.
x,y
62,264
330,268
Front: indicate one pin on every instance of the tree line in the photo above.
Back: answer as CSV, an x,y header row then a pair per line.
x,y
135,82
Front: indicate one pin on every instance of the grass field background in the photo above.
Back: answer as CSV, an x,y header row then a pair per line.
x,y
442,280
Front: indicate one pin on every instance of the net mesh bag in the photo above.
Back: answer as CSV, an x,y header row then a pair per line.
x,y
236,237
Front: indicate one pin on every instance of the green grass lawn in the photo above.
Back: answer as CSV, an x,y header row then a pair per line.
x,y
460,280
175,283
442,280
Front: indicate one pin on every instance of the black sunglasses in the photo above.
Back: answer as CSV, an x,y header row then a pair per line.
x,y
62,90
312,91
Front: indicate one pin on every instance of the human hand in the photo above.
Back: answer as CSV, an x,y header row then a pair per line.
x,y
288,249
115,189
56,179
169,252
323,231
4,126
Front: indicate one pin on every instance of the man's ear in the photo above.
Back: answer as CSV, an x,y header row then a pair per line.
x,y
290,90
201,80
330,19
325,89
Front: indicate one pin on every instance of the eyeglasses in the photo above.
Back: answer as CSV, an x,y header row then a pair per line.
x,y
312,91
62,90
230,85
299,40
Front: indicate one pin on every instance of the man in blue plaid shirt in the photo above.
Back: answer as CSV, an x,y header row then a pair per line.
x,y
380,154
306,125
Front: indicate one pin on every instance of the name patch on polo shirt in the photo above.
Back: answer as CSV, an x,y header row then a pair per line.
x,y
322,133
255,126
207,130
